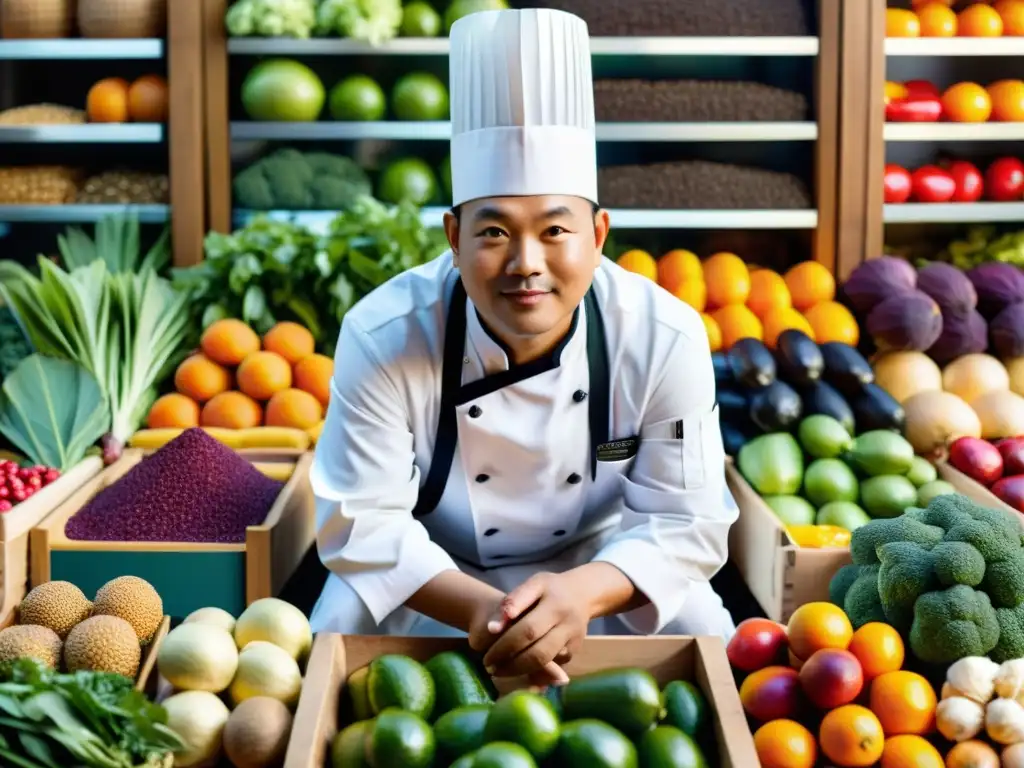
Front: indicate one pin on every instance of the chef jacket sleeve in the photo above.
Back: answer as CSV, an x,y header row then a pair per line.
x,y
676,489
366,484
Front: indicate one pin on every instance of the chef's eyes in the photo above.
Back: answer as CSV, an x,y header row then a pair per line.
x,y
491,233
496,233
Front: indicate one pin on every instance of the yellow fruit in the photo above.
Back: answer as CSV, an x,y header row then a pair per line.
x,y
314,432
199,378
294,408
714,332
231,410
198,657
737,322
30,642
313,374
784,319
263,374
229,342
275,621
264,669
639,262
290,340
727,278
809,283
57,605
134,600
678,267
281,471
216,616
198,717
103,644
274,437
173,410
768,291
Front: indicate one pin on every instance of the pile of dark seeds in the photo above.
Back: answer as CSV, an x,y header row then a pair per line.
x,y
666,18
194,489
683,101
696,185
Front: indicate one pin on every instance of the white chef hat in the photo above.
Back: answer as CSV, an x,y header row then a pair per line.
x,y
522,106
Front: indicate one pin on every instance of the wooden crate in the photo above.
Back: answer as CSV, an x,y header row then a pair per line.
x,y
781,575
699,659
146,680
16,525
972,489
187,575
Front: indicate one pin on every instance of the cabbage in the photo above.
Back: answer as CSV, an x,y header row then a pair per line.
x,y
374,21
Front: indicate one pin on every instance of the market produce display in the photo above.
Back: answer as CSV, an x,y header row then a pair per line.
x,y
235,683
956,181
292,180
18,483
115,100
163,498
920,101
951,18
817,689
998,466
981,698
984,243
447,712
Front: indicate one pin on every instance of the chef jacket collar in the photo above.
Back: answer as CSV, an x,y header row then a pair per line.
x,y
495,356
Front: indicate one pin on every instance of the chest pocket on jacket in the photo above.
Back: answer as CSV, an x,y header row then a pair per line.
x,y
675,454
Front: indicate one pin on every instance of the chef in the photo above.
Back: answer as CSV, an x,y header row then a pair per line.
x,y
523,441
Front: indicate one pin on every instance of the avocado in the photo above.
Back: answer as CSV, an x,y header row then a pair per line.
x,y
887,495
772,464
461,730
458,682
400,681
500,754
524,718
627,699
829,480
823,437
400,738
685,707
668,747
882,452
591,743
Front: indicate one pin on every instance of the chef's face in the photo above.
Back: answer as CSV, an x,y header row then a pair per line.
x,y
526,263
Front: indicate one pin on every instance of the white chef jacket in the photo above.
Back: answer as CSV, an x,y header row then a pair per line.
x,y
523,493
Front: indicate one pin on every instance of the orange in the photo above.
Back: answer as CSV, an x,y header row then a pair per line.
x,y
900,22
714,332
966,103
640,262
229,341
810,282
147,99
175,411
313,374
294,408
768,291
832,321
737,322
231,410
107,101
1012,14
200,378
263,374
1007,100
851,736
290,340
904,703
895,91
979,20
694,292
910,752
937,20
915,4
678,267
879,649
972,754
784,319
814,626
785,744
727,278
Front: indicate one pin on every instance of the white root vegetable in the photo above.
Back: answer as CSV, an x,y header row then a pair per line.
x,y
959,719
1004,721
1009,680
1013,756
948,692
974,677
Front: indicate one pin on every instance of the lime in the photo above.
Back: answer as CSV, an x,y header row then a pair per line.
x,y
399,681
666,745
922,472
282,90
357,97
400,738
591,743
685,707
407,178
420,96
525,719
460,8
824,437
503,754
348,750
419,19
887,495
461,730
931,490
829,480
358,695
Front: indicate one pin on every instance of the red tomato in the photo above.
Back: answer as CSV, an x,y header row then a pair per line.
x,y
969,184
897,184
921,88
1004,180
931,184
757,643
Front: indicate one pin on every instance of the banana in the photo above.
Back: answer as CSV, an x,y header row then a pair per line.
x,y
276,470
274,437
153,439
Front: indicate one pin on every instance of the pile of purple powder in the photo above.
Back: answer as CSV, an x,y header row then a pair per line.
x,y
194,489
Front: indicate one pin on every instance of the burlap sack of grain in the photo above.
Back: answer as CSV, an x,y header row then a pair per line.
x,y
36,19
686,101
122,18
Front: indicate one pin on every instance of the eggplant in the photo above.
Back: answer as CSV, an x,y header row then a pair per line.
x,y
799,359
752,363
776,408
731,402
874,408
723,372
846,369
821,398
734,437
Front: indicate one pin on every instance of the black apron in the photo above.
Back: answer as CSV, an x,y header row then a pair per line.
x,y
453,393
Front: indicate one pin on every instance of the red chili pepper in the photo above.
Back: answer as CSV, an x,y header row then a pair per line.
x,y
914,109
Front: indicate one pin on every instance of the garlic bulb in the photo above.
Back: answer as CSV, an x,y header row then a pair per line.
x,y
1009,680
959,718
1004,721
974,677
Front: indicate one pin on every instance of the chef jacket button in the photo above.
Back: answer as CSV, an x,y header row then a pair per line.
x,y
475,411
559,532
490,531
574,478
482,478
579,396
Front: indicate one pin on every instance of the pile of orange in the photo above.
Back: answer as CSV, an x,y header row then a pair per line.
x,y
737,301
238,381
878,714
115,100
1001,101
943,18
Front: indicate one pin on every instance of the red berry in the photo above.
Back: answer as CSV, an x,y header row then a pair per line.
x,y
19,495
4,491
35,482
51,475
5,506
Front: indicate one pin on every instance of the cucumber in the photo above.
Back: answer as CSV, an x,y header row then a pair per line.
x,y
457,683
626,699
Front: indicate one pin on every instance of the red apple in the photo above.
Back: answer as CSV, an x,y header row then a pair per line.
x,y
1011,491
969,184
977,458
758,643
1012,451
1004,180
831,678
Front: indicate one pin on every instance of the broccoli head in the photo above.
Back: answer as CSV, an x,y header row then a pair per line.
x,y
952,624
842,581
867,538
1011,634
956,562
1004,581
293,180
855,589
907,571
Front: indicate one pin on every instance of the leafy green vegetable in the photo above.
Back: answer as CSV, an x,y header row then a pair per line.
x,y
84,719
14,347
117,242
271,18
374,21
52,410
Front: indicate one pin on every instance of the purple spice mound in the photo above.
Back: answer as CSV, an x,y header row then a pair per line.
x,y
193,489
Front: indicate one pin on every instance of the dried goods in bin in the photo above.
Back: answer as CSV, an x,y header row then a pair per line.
x,y
42,114
194,489
682,101
700,185
667,18
125,187
39,185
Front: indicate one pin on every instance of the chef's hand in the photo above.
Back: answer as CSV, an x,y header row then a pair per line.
x,y
540,623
